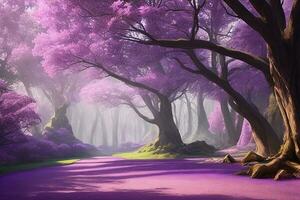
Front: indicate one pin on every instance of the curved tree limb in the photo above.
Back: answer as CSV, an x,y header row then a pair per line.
x,y
255,61
121,78
141,115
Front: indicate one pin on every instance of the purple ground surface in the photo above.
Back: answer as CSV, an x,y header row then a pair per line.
x,y
107,178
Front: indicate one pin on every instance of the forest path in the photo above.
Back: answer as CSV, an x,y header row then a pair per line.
x,y
107,178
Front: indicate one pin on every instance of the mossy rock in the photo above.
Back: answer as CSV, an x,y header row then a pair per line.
x,y
199,148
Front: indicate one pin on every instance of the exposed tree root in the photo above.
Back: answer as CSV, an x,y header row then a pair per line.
x,y
229,159
276,168
283,174
252,157
260,167
265,170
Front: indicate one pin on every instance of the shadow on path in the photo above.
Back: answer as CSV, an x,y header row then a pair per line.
x,y
107,178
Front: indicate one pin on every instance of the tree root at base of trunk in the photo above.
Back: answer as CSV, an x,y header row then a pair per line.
x,y
275,167
252,157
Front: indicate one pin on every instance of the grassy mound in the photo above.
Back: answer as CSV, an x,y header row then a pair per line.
x,y
152,151
149,152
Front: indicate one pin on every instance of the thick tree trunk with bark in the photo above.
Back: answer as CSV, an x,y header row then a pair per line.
x,y
168,132
169,137
284,59
287,93
266,140
274,117
60,119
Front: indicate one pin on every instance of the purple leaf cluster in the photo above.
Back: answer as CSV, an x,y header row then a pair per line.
x,y
52,145
17,113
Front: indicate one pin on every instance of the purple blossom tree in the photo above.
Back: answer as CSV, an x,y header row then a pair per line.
x,y
281,35
195,33
156,79
17,114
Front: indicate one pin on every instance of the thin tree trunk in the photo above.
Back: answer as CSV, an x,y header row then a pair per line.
x,y
239,124
115,129
189,118
36,129
229,124
175,114
80,124
104,141
94,127
180,114
202,124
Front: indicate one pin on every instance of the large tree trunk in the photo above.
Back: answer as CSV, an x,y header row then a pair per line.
x,y
60,119
284,58
168,132
287,93
266,140
274,116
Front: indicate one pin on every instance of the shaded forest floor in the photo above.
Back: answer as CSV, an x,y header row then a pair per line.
x,y
108,178
4,169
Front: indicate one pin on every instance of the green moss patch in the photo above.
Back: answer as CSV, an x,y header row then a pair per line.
x,y
153,151
29,166
146,155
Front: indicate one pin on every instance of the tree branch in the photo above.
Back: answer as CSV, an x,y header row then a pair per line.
x,y
255,61
121,78
243,13
136,110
